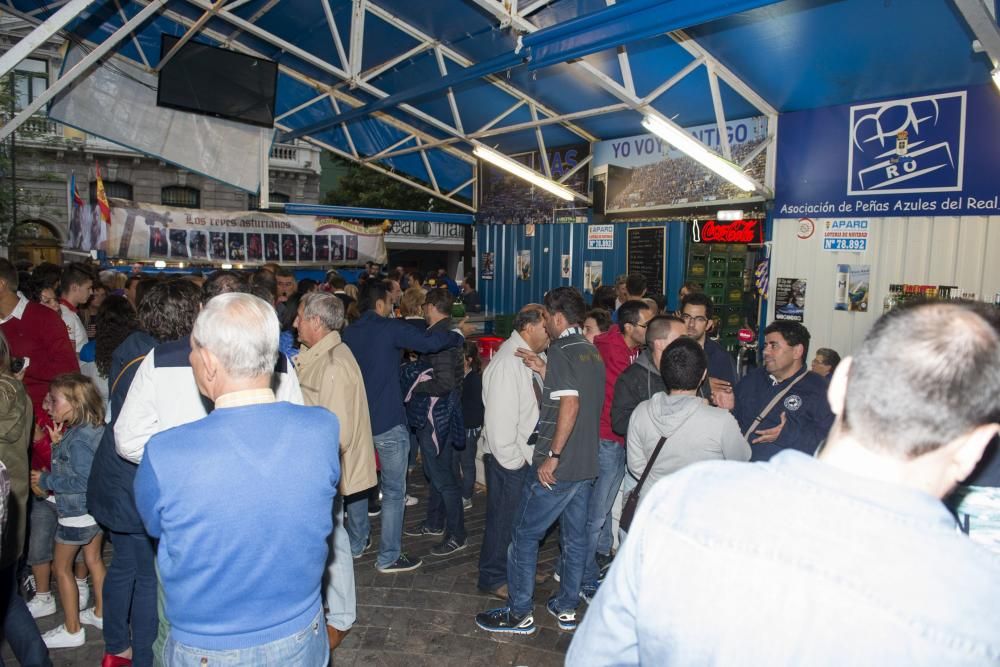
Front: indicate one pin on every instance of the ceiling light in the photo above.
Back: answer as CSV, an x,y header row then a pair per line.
x,y
682,141
996,77
160,264
523,172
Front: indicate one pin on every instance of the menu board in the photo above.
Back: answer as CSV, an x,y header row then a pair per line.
x,y
645,254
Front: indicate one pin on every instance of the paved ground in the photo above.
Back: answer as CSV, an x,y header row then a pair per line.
x,y
424,617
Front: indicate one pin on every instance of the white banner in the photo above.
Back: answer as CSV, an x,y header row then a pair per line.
x,y
144,231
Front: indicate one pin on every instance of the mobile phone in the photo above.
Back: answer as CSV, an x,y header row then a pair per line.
x,y
18,364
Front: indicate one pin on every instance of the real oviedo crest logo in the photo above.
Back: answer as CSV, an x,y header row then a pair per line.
x,y
793,402
908,145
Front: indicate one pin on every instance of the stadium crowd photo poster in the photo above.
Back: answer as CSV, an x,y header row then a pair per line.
x,y
645,173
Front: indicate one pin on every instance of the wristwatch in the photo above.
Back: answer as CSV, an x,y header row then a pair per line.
x,y
553,455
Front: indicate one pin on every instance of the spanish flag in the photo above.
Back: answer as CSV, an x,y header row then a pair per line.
x,y
102,199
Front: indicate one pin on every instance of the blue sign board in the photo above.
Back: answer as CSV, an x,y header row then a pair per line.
x,y
935,154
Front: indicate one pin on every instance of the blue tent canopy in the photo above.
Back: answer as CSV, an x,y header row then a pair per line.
x,y
410,88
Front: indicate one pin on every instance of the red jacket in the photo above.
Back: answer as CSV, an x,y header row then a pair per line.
x,y
41,336
617,356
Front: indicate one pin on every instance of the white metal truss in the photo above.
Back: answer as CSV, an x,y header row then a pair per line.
x,y
643,105
41,34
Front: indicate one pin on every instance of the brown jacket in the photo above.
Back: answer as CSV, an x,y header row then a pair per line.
x,y
330,377
16,425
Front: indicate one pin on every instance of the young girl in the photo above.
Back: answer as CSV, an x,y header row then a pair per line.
x,y
77,411
472,413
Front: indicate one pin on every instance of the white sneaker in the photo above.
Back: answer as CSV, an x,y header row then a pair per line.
x,y
60,637
42,605
83,585
411,500
90,618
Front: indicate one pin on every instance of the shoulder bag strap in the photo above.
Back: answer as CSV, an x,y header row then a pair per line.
x,y
122,372
770,406
656,452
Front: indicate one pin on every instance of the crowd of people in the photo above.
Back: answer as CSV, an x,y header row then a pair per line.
x,y
230,435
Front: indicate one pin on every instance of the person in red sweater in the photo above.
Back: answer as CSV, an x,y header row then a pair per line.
x,y
619,347
35,332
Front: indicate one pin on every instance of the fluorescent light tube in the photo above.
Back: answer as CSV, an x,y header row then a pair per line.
x,y
523,172
685,143
996,77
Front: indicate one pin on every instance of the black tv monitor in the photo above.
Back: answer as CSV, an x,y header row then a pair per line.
x,y
217,82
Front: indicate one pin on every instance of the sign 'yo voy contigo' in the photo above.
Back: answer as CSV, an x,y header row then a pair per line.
x,y
728,231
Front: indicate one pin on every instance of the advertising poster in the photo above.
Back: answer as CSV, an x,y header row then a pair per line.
x,y
486,273
593,276
505,199
790,299
566,267
852,288
523,264
146,231
925,155
845,235
600,237
645,172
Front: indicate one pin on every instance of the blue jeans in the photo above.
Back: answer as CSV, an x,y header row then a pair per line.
x,y
131,585
393,449
306,648
358,525
611,470
465,462
338,592
444,499
539,509
503,493
18,627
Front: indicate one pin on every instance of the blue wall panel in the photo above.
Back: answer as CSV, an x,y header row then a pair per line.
x,y
506,292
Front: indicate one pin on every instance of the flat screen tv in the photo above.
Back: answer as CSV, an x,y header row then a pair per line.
x,y
217,82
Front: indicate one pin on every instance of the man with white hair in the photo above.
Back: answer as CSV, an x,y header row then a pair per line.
x,y
257,501
330,377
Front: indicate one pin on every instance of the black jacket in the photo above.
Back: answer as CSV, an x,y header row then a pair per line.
x,y
448,366
636,384
110,498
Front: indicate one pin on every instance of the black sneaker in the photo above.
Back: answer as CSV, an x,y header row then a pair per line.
x,y
449,546
587,593
566,619
504,620
403,564
374,509
421,529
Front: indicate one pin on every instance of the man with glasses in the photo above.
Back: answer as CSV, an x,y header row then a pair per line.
x,y
696,312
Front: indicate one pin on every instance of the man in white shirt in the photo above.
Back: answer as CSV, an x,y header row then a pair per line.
x,y
75,288
510,397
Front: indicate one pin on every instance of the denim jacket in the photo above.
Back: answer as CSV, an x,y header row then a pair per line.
x,y
71,462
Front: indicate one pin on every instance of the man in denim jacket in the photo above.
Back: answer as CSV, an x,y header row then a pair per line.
x,y
848,559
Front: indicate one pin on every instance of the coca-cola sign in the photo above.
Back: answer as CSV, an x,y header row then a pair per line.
x,y
735,231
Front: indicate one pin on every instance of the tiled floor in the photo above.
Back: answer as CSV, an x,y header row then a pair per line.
x,y
424,617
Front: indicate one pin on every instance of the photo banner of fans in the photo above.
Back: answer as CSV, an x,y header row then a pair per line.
x,y
505,199
142,231
645,173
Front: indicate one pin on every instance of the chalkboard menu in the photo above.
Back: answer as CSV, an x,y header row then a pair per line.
x,y
645,255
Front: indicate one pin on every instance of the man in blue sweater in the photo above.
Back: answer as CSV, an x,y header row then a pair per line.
x,y
801,418
240,495
377,343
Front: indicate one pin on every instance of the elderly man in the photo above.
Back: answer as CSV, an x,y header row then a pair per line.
x,y
510,397
257,502
330,377
850,554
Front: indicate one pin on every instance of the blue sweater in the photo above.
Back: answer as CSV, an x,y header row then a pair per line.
x,y
242,503
378,343
807,412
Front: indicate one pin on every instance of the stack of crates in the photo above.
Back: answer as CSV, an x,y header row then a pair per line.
x,y
720,269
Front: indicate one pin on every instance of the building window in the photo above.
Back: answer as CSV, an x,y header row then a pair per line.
x,y
253,201
113,190
31,78
176,195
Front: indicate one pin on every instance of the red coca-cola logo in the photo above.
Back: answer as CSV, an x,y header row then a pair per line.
x,y
737,231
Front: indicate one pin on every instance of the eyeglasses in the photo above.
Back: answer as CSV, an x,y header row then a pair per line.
x,y
700,319
639,324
